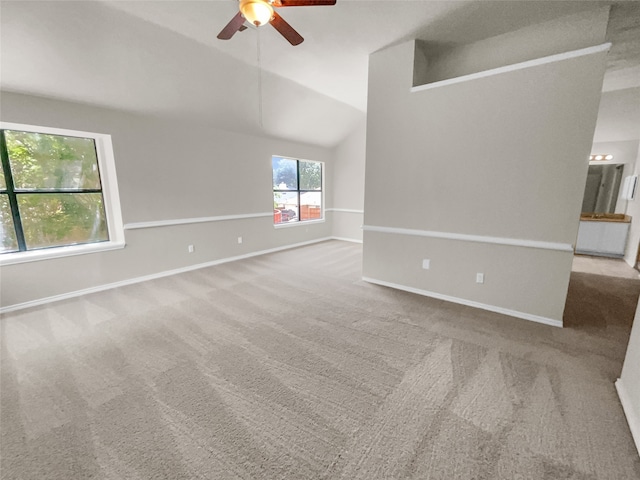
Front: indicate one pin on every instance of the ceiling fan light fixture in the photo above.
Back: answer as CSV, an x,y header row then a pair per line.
x,y
257,12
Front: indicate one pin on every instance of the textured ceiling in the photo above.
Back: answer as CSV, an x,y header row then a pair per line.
x,y
623,67
162,57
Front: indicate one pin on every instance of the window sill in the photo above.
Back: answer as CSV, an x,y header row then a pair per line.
x,y
299,224
58,252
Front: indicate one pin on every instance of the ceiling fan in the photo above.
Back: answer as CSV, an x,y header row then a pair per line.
x,y
261,12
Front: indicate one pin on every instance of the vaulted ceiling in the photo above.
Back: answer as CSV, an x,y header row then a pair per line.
x,y
163,58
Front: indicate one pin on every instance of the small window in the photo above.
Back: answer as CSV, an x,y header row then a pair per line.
x,y
53,193
297,190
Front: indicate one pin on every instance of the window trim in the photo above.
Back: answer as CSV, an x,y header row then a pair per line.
x,y
322,219
110,195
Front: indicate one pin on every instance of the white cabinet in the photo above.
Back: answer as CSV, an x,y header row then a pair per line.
x,y
602,238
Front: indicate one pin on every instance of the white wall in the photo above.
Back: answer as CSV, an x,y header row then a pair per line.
x,y
499,158
166,170
633,209
348,185
629,382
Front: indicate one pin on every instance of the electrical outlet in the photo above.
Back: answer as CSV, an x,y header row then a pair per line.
x,y
479,277
426,263
191,249
239,239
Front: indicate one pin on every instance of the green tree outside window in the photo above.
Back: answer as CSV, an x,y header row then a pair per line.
x,y
50,192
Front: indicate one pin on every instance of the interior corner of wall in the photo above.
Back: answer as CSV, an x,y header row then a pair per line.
x,y
420,62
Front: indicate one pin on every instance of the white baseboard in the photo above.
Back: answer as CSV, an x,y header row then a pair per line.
x,y
345,239
633,417
469,303
630,261
144,278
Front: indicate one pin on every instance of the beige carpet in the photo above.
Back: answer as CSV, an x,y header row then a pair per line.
x,y
288,366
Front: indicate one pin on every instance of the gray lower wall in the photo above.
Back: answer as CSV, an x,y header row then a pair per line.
x,y
512,274
347,225
149,251
167,170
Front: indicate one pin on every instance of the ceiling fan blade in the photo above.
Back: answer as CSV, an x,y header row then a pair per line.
x,y
232,27
242,28
286,30
302,3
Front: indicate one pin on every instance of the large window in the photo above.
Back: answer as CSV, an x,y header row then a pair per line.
x,y
297,190
53,195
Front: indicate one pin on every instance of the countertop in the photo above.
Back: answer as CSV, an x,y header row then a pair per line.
x,y
605,217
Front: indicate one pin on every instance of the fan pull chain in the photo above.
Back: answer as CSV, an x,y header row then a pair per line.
x,y
259,79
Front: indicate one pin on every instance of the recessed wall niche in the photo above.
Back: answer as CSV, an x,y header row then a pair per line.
x,y
435,62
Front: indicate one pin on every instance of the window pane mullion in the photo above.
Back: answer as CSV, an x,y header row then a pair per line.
x,y
45,192
13,202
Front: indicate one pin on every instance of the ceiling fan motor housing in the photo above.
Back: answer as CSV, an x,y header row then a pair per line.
x,y
258,12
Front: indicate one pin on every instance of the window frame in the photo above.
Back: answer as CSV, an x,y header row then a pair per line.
x,y
299,191
110,195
